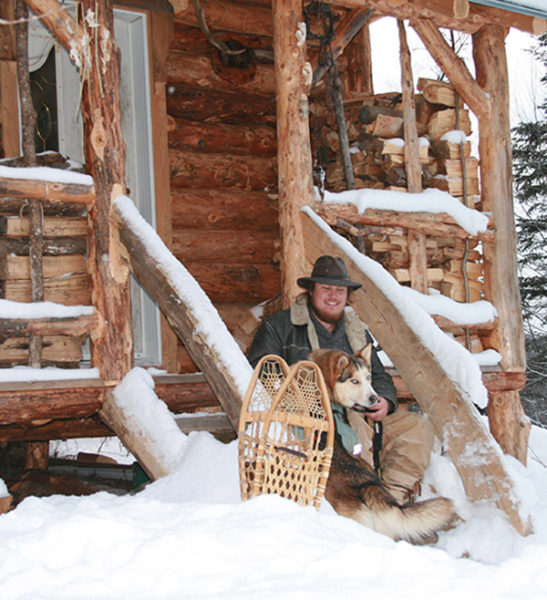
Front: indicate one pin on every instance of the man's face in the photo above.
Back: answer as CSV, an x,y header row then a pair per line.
x,y
328,301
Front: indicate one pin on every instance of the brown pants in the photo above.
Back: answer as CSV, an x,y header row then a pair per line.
x,y
407,443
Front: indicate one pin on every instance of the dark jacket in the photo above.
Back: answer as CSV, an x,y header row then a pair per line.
x,y
291,334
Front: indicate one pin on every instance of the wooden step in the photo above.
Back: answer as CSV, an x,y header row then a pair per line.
x,y
18,267
47,191
53,227
72,326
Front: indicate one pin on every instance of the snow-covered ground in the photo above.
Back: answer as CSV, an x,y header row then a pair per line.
x,y
188,535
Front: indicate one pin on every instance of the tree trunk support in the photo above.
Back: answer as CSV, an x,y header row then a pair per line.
x,y
505,412
112,340
293,80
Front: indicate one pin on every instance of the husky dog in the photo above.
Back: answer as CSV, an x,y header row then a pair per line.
x,y
353,489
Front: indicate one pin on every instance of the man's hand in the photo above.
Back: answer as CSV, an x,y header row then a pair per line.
x,y
379,410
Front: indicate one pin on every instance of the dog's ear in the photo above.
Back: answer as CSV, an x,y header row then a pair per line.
x,y
340,362
365,353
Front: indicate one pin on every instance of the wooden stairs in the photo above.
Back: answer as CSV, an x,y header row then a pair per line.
x,y
451,413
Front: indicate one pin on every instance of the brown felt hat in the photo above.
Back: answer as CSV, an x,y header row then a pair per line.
x,y
330,271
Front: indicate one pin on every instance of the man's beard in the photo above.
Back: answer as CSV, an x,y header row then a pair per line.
x,y
327,317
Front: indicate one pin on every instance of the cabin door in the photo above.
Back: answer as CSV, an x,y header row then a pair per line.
x,y
63,124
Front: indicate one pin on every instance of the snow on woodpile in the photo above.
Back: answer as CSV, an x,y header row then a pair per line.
x,y
430,200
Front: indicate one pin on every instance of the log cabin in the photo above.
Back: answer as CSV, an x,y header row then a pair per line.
x,y
218,118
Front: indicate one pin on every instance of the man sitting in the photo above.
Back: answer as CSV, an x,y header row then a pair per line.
x,y
321,318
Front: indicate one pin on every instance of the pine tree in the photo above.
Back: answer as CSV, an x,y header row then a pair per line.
x,y
530,181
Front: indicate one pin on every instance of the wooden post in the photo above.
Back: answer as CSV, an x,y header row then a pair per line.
x,y
335,89
416,241
9,106
28,126
360,63
293,79
161,33
500,266
112,340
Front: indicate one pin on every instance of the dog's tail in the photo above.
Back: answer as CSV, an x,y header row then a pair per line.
x,y
416,523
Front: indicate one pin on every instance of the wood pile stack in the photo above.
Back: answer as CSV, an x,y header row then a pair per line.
x,y
66,280
375,131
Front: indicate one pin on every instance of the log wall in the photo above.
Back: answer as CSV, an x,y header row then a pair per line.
x,y
222,158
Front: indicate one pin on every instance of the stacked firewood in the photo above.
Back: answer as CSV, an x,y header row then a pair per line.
x,y
375,132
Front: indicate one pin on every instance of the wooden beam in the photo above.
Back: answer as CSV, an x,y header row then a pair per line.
x,y
49,192
442,13
293,79
180,316
138,442
258,140
234,16
46,404
440,397
494,381
29,406
48,326
198,170
227,209
430,224
215,423
453,66
215,106
59,21
112,340
344,34
197,71
227,16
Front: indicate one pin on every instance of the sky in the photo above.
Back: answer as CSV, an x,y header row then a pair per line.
x,y
524,72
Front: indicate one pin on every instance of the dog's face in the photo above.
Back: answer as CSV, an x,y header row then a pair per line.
x,y
348,378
